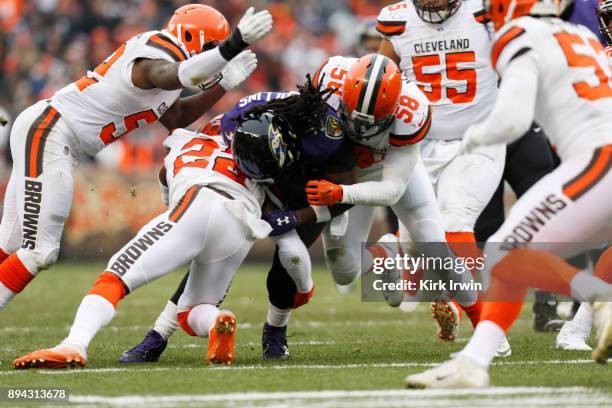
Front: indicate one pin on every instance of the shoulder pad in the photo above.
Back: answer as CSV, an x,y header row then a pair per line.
x,y
179,136
508,43
413,119
392,19
165,43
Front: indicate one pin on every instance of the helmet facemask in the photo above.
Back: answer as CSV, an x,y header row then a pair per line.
x,y
364,127
436,11
604,14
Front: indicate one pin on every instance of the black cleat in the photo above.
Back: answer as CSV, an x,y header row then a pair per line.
x,y
274,343
148,351
545,317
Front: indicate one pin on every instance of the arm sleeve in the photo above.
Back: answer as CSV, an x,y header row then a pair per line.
x,y
514,108
397,168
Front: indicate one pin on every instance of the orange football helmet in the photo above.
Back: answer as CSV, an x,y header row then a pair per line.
x,y
370,95
198,27
502,11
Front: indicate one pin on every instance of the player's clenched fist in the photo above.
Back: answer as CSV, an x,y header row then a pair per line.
x,y
323,192
254,26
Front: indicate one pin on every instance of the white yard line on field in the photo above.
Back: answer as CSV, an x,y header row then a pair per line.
x,y
253,343
496,396
245,325
145,369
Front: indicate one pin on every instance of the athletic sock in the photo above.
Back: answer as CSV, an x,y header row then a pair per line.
x,y
167,323
473,311
463,244
94,313
14,277
585,287
583,319
3,256
484,342
6,295
202,318
277,317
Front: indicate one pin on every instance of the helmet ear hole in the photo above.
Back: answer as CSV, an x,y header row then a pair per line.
x,y
188,36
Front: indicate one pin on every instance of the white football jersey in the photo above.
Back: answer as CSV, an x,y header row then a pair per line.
x,y
199,159
574,99
450,62
413,116
105,105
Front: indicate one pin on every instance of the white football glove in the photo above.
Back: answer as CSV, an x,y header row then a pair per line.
x,y
254,26
238,69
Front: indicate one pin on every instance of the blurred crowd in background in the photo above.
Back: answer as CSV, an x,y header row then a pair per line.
x,y
46,44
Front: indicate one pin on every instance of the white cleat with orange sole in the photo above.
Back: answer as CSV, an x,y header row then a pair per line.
x,y
222,339
447,318
460,372
61,356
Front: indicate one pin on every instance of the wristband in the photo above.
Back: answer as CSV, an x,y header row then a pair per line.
x,y
322,213
233,46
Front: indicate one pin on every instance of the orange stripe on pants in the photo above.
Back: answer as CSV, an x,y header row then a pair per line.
x,y
598,167
14,275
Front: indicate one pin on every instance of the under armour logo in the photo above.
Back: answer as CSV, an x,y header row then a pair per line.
x,y
282,221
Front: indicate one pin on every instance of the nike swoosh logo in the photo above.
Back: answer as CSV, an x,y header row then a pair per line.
x,y
441,377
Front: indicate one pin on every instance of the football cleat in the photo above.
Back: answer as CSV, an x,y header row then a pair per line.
x,y
573,337
602,317
460,372
504,349
447,319
274,343
545,317
148,351
62,356
222,339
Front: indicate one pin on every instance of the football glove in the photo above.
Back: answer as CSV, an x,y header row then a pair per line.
x,y
281,221
238,69
254,26
323,192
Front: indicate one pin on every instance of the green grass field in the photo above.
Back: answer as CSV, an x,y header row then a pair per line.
x,y
357,353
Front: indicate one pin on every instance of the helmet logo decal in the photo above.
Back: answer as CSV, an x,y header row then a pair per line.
x,y
333,128
277,145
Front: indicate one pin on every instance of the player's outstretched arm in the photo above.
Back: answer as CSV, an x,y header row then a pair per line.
x,y
151,74
398,166
514,108
187,110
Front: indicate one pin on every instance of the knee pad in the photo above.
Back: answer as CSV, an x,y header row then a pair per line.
x,y
343,264
298,266
110,287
